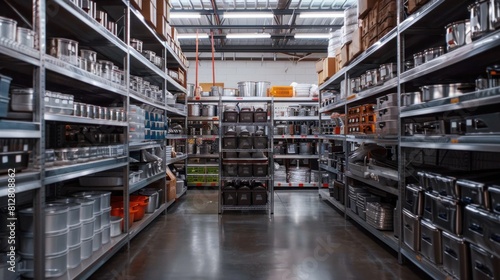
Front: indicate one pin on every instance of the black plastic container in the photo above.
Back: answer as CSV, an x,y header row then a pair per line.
x,y
260,169
260,142
230,196
259,196
230,142
245,170
230,169
230,116
246,116
260,115
244,195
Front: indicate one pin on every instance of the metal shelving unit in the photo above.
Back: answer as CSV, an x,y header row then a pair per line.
x,y
176,159
268,160
325,194
288,136
296,156
329,169
464,64
42,71
295,185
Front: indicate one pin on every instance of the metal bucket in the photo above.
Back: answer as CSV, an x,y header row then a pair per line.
x,y
261,88
246,89
190,90
208,110
194,110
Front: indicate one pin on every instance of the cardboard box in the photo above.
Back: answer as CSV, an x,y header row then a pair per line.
x,y
161,7
389,10
386,26
412,6
373,33
137,4
365,42
364,6
364,27
174,34
319,66
329,66
208,86
344,55
338,59
373,17
149,12
163,28
356,46
169,7
171,190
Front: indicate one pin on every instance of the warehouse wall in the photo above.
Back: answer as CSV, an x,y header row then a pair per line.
x,y
277,72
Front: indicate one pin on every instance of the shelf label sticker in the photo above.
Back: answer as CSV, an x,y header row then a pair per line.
x,y
419,258
303,136
279,184
325,185
239,98
454,100
316,136
301,185
454,141
315,99
198,184
18,158
215,118
5,159
197,97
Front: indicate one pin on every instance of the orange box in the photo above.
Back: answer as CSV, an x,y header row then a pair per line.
x,y
207,87
329,67
281,91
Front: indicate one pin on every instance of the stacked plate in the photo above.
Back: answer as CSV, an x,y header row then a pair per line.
x,y
380,215
302,90
279,173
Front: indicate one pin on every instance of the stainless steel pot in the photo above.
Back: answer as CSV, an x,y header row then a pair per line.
x,y
22,99
153,199
74,255
55,243
305,148
107,69
136,44
356,85
230,92
55,265
86,248
8,28
75,235
93,195
388,71
261,88
246,89
26,37
56,218
105,217
458,34
208,110
479,19
215,91
64,49
194,110
433,92
411,98
116,228
418,59
430,54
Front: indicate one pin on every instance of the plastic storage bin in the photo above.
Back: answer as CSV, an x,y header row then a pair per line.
x,y
244,195
230,170
230,197
245,170
430,242
259,196
260,169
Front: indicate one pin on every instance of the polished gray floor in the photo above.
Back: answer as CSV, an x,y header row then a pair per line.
x,y
304,239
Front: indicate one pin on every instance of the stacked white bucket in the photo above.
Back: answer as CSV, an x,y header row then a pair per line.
x,y
350,24
334,42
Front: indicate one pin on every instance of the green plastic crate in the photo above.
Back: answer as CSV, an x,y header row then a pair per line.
x,y
212,170
195,179
196,170
212,178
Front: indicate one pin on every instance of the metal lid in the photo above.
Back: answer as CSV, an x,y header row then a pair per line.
x,y
22,91
465,21
50,208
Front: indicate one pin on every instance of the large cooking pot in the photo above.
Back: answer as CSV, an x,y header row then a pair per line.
x,y
208,110
56,218
230,92
246,89
261,88
433,92
479,19
194,110
8,28
411,98
64,49
458,34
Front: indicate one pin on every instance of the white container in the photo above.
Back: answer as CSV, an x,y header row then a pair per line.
x,y
97,240
74,256
86,250
75,235
115,228
106,235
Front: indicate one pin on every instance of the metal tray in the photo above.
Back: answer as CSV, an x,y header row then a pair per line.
x,y
107,179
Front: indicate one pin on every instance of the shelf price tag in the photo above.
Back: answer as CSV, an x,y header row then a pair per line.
x,y
215,118
419,258
454,141
301,185
197,97
198,184
279,184
325,185
454,100
315,99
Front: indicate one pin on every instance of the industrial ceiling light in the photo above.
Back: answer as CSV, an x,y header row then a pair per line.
x,y
192,36
248,36
338,14
311,35
185,15
247,15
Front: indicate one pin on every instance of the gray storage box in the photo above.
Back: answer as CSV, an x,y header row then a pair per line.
x,y
430,242
414,199
456,256
230,170
447,214
482,228
411,230
428,208
484,265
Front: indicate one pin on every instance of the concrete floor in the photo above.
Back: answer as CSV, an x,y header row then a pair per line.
x,y
304,239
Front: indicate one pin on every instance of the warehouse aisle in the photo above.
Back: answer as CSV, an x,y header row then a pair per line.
x,y
305,239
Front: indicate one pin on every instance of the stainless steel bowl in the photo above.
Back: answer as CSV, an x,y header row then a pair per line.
x,y
26,37
7,29
480,23
433,92
458,34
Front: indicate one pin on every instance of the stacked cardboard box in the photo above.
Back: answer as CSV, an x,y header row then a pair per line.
x,y
163,27
377,19
414,5
326,68
149,12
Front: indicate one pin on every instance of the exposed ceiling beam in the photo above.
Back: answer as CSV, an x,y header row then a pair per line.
x,y
258,26
274,11
258,49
